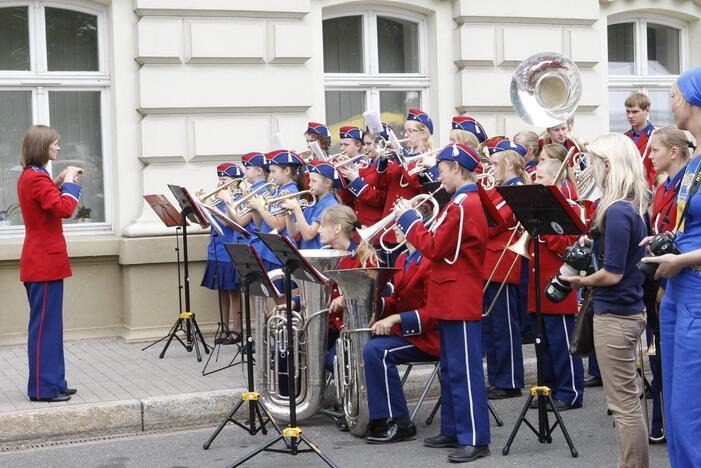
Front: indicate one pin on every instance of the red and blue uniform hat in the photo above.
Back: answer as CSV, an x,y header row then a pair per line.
x,y
229,170
284,158
254,159
327,170
464,155
491,144
384,133
319,129
504,145
463,122
351,132
422,117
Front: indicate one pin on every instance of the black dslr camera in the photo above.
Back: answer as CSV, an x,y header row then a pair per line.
x,y
661,244
576,259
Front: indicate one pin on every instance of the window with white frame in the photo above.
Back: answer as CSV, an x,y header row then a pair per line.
x,y
374,59
54,71
645,54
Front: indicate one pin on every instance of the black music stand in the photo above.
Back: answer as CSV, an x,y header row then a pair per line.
x,y
254,280
293,264
542,210
186,322
170,217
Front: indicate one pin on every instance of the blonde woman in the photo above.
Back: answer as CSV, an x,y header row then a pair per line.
x,y
529,140
619,316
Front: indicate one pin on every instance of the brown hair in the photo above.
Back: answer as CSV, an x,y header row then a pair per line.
x,y
557,151
296,174
35,145
516,161
638,100
464,137
530,141
671,137
324,142
345,217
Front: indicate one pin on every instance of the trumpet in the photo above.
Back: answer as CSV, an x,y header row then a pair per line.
x,y
240,206
210,198
360,161
272,203
406,161
386,224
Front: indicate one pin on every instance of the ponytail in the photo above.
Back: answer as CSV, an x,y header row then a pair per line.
x,y
345,217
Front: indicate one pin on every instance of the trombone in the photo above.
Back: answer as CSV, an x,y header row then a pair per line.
x,y
386,224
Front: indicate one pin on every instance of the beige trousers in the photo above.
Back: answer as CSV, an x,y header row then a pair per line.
x,y
616,339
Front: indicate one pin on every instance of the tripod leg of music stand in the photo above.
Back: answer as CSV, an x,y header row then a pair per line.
x,y
573,450
198,333
429,420
316,450
192,328
497,419
229,417
514,431
256,452
263,422
174,330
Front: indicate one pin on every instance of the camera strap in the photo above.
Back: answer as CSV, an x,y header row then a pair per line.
x,y
687,200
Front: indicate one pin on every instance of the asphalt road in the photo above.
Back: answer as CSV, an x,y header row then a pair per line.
x,y
591,429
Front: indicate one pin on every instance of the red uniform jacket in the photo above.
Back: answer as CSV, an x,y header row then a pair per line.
x,y
397,184
44,254
569,143
664,208
498,239
550,249
644,149
455,246
364,197
348,263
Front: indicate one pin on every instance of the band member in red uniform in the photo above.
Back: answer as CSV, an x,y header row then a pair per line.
x,y
405,333
393,177
362,193
502,328
463,123
638,113
44,261
529,140
455,246
558,153
320,133
563,373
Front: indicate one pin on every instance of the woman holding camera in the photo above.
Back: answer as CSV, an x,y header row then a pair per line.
x,y
680,310
619,317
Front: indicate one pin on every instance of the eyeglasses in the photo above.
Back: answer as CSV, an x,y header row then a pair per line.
x,y
409,131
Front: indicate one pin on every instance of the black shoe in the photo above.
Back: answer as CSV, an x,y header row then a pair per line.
x,y
377,427
562,406
69,391
503,393
228,339
60,398
394,433
468,453
593,382
441,441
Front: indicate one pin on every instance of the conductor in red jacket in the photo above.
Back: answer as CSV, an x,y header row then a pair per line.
x,y
455,246
44,262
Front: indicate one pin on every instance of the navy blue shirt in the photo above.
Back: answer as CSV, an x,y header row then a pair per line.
x,y
624,228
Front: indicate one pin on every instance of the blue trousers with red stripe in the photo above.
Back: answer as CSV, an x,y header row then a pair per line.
x,y
563,373
47,370
380,359
502,338
464,407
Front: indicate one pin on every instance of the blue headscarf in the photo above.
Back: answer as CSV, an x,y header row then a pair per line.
x,y
689,84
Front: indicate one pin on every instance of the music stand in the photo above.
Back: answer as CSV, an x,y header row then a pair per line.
x,y
170,217
542,210
255,281
186,321
293,264
215,217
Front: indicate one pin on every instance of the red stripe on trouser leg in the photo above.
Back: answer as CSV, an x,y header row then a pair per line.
x,y
41,326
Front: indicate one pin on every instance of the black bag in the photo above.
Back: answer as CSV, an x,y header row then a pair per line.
x,y
582,340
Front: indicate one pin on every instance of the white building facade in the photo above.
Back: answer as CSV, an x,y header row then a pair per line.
x,y
147,93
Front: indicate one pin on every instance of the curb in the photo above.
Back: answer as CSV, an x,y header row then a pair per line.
x,y
157,413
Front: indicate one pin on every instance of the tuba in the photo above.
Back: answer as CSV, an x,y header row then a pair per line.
x,y
310,339
361,288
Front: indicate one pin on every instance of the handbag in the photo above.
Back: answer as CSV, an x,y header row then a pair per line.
x,y
582,340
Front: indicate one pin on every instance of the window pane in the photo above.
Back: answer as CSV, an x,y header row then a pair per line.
x,y
344,108
14,39
343,45
398,45
662,50
71,40
660,108
621,46
77,117
394,106
15,119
